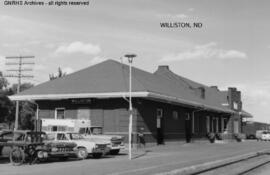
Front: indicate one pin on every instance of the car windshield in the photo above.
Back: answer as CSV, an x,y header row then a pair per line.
x,y
50,137
96,130
19,136
76,136
91,130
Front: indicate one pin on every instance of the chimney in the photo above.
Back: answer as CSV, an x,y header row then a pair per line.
x,y
214,87
163,67
202,92
234,98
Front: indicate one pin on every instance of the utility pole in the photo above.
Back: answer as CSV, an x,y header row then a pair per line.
x,y
19,74
130,60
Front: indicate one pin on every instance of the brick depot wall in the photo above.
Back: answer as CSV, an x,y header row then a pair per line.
x,y
113,116
173,128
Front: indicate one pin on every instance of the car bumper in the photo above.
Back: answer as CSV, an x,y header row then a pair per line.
x,y
62,154
117,147
99,150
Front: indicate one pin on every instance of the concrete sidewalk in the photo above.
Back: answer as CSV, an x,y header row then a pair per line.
x,y
188,157
165,158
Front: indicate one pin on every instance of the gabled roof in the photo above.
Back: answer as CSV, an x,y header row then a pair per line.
x,y
213,97
110,79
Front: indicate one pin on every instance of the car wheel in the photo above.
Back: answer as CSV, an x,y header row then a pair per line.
x,y
82,153
97,155
17,156
114,152
41,155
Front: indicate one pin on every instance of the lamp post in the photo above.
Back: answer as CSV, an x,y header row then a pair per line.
x,y
130,60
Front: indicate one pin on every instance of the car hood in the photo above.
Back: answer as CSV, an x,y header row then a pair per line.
x,y
91,141
104,137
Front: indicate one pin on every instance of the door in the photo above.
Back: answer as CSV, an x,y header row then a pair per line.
x,y
188,127
160,135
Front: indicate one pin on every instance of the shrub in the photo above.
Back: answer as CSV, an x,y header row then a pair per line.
x,y
211,136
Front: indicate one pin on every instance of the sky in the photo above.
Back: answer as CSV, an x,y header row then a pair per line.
x,y
231,49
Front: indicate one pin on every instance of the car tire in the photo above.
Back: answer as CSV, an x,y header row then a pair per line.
x,y
17,156
41,159
97,155
82,153
114,152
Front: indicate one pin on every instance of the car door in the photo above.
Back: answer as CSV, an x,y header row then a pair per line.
x,y
6,137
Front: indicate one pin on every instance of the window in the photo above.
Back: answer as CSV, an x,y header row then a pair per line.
x,y
96,131
235,105
175,115
61,136
159,116
19,136
159,113
202,92
187,116
59,113
54,128
51,136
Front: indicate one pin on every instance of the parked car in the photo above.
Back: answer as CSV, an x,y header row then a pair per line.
x,y
84,147
259,134
266,136
22,146
95,133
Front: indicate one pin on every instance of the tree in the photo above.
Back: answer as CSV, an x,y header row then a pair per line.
x,y
27,109
59,74
23,87
3,82
6,106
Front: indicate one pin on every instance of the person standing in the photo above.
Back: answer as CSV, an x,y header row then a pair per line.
x,y
141,137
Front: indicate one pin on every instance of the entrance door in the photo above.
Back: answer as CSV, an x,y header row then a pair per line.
x,y
188,127
160,136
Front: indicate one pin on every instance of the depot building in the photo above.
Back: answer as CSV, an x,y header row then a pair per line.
x,y
166,107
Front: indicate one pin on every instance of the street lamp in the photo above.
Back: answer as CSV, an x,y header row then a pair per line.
x,y
130,60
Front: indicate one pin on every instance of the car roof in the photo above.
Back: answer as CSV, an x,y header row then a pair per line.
x,y
24,131
64,132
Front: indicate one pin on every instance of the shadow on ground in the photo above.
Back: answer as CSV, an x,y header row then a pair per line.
x,y
141,154
4,160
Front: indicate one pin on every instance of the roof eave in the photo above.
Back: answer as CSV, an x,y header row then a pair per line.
x,y
114,95
187,102
245,115
75,95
